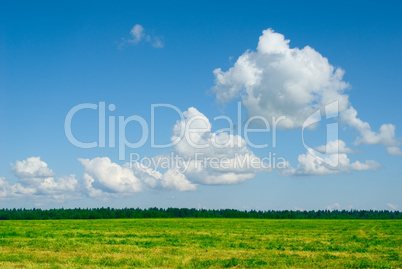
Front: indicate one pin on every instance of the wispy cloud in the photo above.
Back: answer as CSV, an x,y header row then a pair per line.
x,y
138,35
392,206
394,151
335,206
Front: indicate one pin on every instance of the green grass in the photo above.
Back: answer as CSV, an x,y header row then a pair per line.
x,y
200,243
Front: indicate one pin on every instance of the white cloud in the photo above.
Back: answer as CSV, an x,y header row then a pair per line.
x,y
311,164
210,158
157,42
276,80
394,151
35,178
205,157
138,35
31,167
213,157
110,177
8,191
50,185
385,137
335,206
392,206
337,146
174,179
200,157
102,178
5,189
137,32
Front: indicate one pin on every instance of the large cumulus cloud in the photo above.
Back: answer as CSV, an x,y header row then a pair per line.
x,y
276,80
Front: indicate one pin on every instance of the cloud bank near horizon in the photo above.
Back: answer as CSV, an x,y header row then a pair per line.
x,y
103,179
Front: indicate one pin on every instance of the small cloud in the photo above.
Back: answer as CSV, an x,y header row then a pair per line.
x,y
337,146
157,43
31,167
394,151
138,35
392,206
335,206
312,164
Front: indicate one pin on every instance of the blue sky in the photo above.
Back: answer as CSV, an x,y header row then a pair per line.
x,y
54,56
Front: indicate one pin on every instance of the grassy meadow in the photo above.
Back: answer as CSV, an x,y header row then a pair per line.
x,y
200,243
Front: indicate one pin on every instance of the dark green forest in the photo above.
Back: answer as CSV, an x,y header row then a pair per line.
x,y
112,213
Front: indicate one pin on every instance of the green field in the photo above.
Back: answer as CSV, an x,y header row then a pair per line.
x,y
200,243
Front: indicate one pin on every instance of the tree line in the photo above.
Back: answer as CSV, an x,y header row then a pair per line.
x,y
113,213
